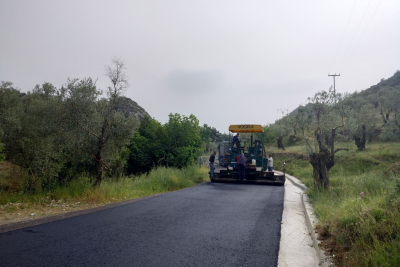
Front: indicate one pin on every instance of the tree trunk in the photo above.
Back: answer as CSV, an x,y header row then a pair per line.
x,y
279,142
327,140
370,137
292,139
99,168
320,171
360,142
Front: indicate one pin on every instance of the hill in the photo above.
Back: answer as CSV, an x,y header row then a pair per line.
x,y
390,82
131,108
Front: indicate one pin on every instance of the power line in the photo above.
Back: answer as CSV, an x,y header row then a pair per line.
x,y
362,34
355,32
345,29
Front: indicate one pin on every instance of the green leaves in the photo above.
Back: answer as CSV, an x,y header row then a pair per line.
x,y
269,135
31,132
56,134
175,144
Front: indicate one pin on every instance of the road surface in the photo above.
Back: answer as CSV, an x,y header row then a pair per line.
x,y
214,224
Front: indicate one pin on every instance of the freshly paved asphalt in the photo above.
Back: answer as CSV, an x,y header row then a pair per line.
x,y
215,224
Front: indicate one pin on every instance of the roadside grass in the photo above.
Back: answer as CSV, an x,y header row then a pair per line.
x,y
15,205
359,215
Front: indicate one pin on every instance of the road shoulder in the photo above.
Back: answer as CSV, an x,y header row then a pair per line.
x,y
296,246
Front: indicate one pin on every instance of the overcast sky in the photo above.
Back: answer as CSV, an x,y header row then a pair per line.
x,y
226,62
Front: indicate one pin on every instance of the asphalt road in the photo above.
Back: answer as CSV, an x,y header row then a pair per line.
x,y
215,224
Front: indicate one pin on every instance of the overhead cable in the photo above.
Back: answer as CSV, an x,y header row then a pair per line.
x,y
362,34
345,29
354,33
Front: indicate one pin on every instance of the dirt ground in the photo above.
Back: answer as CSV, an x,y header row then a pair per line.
x,y
18,212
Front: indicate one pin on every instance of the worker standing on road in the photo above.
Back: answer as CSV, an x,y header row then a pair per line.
x,y
270,163
241,160
212,168
236,142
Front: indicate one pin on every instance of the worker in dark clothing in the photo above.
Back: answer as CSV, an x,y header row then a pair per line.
x,y
236,141
212,168
241,160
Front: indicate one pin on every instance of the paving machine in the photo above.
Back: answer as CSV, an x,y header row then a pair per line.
x,y
224,152
254,152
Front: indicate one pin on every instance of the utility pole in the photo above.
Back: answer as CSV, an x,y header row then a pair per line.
x,y
334,76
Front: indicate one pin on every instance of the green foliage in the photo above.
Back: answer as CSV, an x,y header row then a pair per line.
x,y
183,142
205,133
158,180
210,134
281,128
269,135
176,144
147,148
31,132
362,205
99,127
211,137
57,134
389,105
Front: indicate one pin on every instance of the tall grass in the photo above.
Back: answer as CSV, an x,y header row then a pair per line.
x,y
159,180
361,209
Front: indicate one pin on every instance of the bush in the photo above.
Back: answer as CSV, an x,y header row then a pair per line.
x,y
174,144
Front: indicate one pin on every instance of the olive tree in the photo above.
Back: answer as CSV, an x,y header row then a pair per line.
x,y
100,128
361,119
324,115
31,133
281,128
389,103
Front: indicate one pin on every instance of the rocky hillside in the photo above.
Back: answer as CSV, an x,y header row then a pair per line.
x,y
131,108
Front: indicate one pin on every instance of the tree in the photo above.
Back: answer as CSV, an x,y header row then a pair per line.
x,y
106,131
174,144
205,135
389,103
269,135
281,129
10,112
323,116
31,132
147,147
361,121
183,142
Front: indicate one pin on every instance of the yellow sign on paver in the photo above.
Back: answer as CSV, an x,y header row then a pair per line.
x,y
246,128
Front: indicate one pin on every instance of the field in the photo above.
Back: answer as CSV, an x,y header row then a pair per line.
x,y
359,215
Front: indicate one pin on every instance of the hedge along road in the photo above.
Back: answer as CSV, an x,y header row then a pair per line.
x,y
212,224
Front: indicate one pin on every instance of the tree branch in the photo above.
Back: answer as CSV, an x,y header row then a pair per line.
x,y
339,149
89,132
305,139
